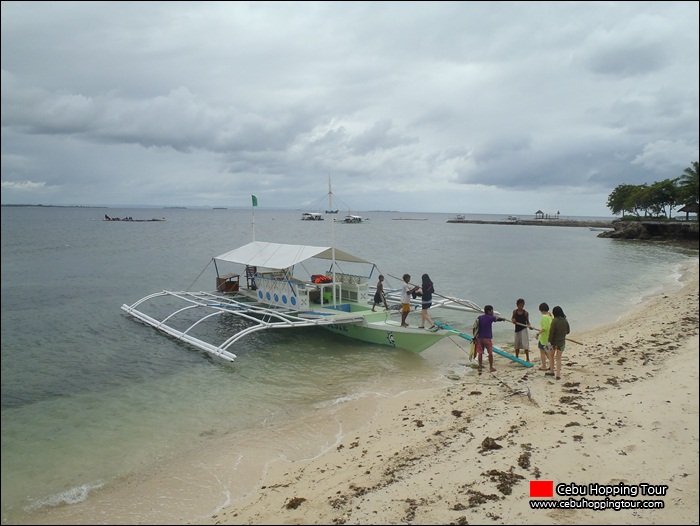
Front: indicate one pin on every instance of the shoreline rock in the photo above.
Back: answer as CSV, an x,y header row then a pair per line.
x,y
653,230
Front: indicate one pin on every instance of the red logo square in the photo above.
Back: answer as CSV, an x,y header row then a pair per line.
x,y
541,488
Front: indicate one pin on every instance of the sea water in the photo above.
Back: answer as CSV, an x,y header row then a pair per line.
x,y
90,397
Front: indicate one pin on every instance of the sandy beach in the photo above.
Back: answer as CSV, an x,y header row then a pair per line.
x,y
623,417
625,411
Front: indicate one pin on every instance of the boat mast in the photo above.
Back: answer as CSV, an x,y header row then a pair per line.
x,y
255,203
330,208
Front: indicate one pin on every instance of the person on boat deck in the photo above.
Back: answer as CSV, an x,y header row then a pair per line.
x,y
484,341
406,292
426,291
521,320
543,335
379,294
557,339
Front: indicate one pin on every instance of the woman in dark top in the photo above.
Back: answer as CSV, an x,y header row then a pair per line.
x,y
427,290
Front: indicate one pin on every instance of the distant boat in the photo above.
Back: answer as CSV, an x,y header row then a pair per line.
x,y
512,218
353,219
331,211
457,219
600,229
131,219
311,216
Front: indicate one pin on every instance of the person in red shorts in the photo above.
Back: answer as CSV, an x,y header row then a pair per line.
x,y
485,335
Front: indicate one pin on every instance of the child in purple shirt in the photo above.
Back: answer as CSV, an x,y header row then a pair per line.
x,y
485,335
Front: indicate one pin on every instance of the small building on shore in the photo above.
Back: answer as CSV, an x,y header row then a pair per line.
x,y
546,215
691,208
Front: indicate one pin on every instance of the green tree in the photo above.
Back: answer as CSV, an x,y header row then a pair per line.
x,y
663,194
642,200
619,198
656,199
688,185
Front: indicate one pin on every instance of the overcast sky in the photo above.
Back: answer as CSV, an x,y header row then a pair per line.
x,y
456,107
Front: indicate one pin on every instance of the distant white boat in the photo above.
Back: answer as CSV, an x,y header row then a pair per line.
x,y
353,219
311,216
600,229
512,218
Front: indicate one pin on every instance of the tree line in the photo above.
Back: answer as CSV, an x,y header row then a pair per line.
x,y
655,199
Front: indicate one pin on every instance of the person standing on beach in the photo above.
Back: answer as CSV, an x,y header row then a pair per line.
x,y
426,291
406,291
379,296
543,335
521,320
485,335
557,339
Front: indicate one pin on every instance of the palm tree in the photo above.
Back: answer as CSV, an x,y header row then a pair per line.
x,y
688,185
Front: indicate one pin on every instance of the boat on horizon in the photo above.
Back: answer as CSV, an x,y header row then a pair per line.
x,y
311,216
130,219
353,219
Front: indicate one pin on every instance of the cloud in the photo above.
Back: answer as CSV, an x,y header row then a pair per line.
x,y
446,107
22,186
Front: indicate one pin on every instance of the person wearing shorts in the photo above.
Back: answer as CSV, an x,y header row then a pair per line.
x,y
557,340
484,341
426,292
543,335
521,320
406,292
379,294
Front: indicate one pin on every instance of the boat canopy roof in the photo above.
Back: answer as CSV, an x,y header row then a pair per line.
x,y
281,256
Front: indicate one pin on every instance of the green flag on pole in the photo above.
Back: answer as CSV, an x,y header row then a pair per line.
x,y
255,200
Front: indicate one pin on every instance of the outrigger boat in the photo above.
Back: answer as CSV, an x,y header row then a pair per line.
x,y
277,288
287,286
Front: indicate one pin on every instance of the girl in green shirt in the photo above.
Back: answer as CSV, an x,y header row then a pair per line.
x,y
557,339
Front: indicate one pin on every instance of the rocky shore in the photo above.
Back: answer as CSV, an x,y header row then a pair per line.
x,y
654,230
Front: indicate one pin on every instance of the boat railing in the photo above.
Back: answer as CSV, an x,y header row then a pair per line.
x,y
353,287
283,290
